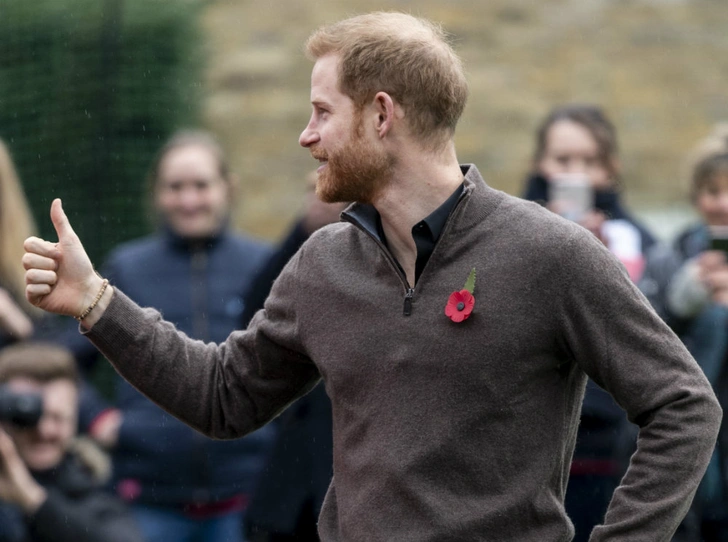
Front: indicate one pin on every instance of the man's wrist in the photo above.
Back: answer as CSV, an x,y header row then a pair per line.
x,y
99,308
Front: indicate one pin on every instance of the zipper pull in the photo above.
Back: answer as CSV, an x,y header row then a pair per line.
x,y
408,301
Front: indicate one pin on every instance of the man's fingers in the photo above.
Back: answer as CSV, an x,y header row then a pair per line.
x,y
35,261
60,222
40,276
34,293
41,247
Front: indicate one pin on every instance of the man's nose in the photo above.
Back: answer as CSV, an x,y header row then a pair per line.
x,y
308,137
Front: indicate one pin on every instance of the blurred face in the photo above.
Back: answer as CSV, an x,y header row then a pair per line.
x,y
42,447
711,201
353,167
190,194
572,150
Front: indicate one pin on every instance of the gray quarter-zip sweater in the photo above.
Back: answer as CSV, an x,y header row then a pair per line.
x,y
448,431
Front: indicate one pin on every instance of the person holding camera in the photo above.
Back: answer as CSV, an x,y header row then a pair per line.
x,y
687,283
575,174
51,482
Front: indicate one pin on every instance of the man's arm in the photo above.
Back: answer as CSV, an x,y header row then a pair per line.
x,y
224,391
623,345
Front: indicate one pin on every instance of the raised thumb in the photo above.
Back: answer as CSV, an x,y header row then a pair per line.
x,y
60,221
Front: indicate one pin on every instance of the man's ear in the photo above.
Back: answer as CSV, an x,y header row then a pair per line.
x,y
386,109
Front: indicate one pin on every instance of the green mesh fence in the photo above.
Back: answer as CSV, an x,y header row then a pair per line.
x,y
89,89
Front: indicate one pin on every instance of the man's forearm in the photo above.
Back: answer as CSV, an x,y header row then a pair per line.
x,y
216,389
664,473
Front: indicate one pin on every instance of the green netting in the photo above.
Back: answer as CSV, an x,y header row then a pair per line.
x,y
89,89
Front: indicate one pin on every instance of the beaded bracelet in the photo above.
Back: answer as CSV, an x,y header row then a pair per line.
x,y
95,302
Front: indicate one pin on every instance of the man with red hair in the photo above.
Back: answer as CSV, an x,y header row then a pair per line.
x,y
448,426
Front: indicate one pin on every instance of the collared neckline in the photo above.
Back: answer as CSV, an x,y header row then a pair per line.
x,y
465,215
425,233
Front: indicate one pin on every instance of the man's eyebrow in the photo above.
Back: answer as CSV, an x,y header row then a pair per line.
x,y
320,103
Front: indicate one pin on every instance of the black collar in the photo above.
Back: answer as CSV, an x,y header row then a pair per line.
x,y
425,233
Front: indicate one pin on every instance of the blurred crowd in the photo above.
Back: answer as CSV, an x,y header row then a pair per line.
x,y
78,464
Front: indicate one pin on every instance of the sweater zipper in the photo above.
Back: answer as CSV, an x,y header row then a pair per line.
x,y
408,301
409,291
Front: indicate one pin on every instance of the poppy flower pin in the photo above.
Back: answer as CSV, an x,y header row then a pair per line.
x,y
460,303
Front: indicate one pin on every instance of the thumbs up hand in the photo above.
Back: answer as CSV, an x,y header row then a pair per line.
x,y
59,277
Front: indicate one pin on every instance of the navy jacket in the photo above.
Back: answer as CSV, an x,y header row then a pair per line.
x,y
201,289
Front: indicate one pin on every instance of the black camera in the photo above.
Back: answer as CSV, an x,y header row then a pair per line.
x,y
21,409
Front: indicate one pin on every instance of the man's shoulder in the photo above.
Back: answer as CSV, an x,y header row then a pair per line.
x,y
532,222
537,238
331,237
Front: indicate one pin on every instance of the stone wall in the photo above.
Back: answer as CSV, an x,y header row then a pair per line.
x,y
659,67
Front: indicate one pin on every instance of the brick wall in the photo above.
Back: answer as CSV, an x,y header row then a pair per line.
x,y
659,67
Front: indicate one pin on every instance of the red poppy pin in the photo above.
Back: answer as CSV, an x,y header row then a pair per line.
x,y
460,304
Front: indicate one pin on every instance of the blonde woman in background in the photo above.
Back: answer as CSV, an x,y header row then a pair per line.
x,y
16,224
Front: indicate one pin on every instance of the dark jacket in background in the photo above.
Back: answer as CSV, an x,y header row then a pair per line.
x,y
159,460
289,497
76,510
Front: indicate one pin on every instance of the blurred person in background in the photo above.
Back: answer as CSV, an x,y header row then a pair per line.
x,y
575,144
16,223
51,482
182,485
687,283
576,173
286,504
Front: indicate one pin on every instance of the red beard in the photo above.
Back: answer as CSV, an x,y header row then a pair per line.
x,y
358,171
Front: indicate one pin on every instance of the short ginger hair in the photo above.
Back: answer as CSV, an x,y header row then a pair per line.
x,y
407,57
